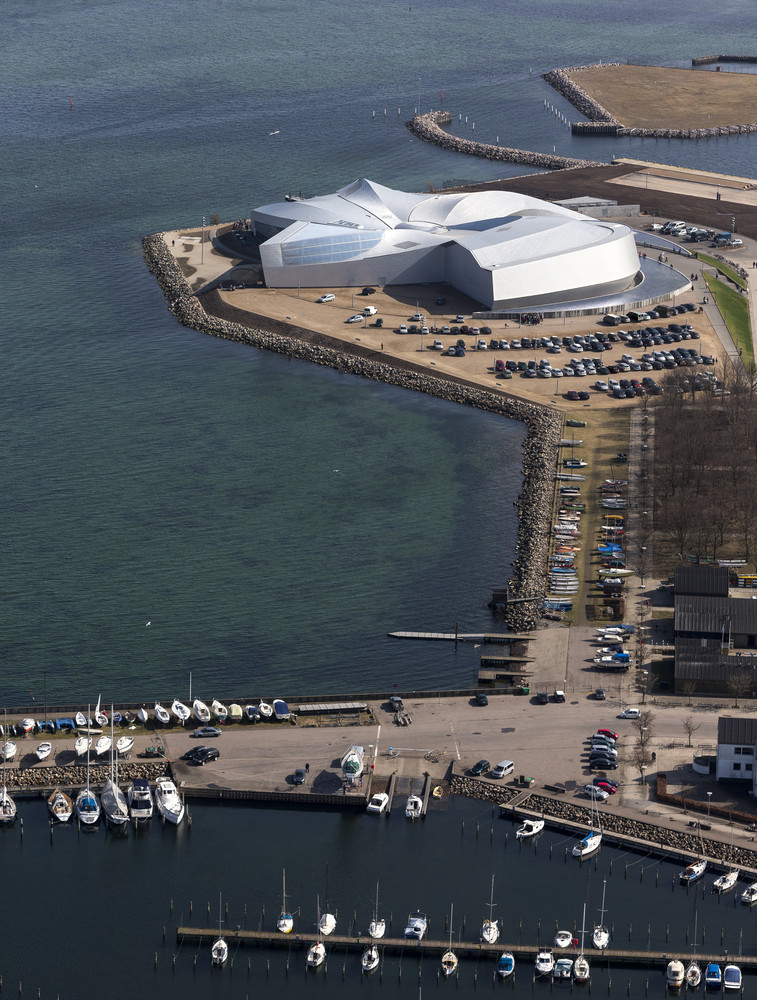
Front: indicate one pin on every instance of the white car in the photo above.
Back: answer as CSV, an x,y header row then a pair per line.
x,y
600,385
357,318
418,318
328,297
402,328
378,803
437,346
481,345
630,713
595,792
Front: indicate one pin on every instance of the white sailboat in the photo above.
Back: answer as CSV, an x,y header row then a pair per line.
x,y
180,711
7,805
490,927
100,717
124,745
143,716
44,750
87,804
168,802
601,935
449,958
220,711
726,882
370,959
8,750
317,951
82,745
201,711
162,715
327,921
285,923
60,805
103,745
377,926
220,950
581,971
113,800
589,843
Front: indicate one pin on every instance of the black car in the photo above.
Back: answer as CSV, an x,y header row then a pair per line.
x,y
205,754
603,765
542,698
192,753
481,698
368,291
599,694
298,777
480,767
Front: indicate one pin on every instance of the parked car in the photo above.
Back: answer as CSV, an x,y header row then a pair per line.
x,y
606,764
203,732
607,784
630,713
595,792
608,732
298,777
437,346
542,698
357,318
368,291
326,297
192,752
480,767
481,698
205,754
599,694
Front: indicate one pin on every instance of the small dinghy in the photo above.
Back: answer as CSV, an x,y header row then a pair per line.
x,y
252,713
143,716
43,751
124,745
220,712
265,709
82,745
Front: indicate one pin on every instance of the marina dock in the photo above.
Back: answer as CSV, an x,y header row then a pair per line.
x,y
653,959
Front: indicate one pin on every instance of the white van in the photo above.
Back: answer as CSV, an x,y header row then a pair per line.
x,y
502,769
370,311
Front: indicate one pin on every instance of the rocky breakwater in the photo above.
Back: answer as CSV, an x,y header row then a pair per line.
x,y
76,774
428,127
542,423
476,789
599,118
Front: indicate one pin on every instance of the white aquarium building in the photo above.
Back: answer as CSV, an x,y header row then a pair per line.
x,y
500,248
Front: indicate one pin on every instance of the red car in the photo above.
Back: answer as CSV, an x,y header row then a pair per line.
x,y
608,733
606,785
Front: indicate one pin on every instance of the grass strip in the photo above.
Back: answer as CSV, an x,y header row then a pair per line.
x,y
734,308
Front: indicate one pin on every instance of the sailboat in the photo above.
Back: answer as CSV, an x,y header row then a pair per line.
x,y
601,936
693,972
60,805
581,970
490,927
7,805
449,958
317,951
327,921
377,926
590,843
220,950
87,805
696,869
161,714
100,717
285,923
112,798
180,711
201,711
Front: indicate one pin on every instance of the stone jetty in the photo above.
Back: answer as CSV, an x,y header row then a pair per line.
x,y
542,423
428,127
29,778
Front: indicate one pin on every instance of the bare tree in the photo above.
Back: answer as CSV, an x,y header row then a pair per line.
x,y
644,726
688,688
739,684
641,759
690,727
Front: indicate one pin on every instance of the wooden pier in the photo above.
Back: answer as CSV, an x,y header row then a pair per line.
x,y
523,952
488,637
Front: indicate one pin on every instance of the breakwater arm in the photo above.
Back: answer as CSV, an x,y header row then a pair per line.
x,y
428,127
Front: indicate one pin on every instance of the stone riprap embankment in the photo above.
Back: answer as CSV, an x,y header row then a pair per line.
x,y
601,122
76,774
428,127
543,424
616,826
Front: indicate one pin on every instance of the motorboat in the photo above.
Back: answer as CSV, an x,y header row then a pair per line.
x,y
103,745
220,712
124,745
316,955
749,895
693,872
713,977
201,711
490,926
693,975
44,750
563,968
60,805
252,713
143,716
219,951
168,802
162,715
235,713
352,764
378,803
600,937
265,710
674,974
727,881
732,977
449,958
377,926
529,828
563,939
370,959
82,745
616,571
506,965
414,807
26,726
281,709
545,962
139,798
417,925
285,923
8,751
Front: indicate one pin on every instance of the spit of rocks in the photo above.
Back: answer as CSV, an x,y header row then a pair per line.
x,y
428,127
542,423
76,774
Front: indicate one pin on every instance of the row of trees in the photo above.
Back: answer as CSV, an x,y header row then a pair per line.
x,y
641,756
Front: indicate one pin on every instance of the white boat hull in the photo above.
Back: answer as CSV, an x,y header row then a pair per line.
x,y
170,806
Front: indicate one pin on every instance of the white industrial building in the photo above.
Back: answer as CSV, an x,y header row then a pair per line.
x,y
500,248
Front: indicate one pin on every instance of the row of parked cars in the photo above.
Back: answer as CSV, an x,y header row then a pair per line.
x,y
602,750
692,234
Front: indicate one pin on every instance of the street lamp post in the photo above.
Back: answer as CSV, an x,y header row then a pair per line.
x,y
202,242
709,798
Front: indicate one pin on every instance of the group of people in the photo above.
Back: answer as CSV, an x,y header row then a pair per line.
x,y
531,319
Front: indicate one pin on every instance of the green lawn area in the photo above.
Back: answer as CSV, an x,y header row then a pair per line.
x,y
723,268
734,308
